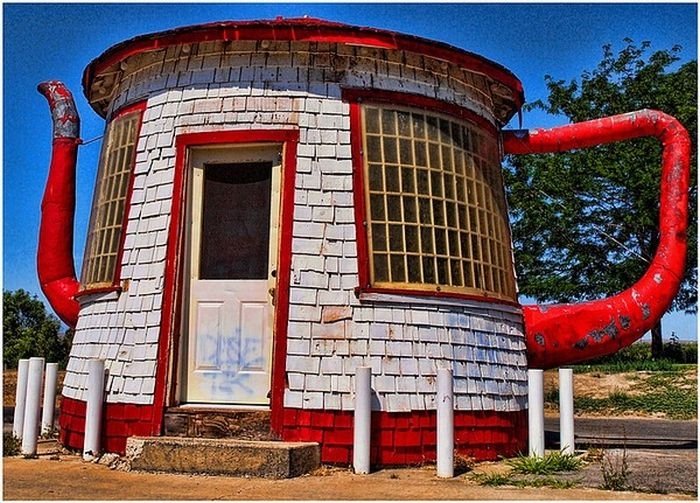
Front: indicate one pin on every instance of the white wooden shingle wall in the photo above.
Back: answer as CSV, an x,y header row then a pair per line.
x,y
214,86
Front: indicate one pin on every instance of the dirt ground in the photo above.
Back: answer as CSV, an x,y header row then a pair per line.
x,y
655,474
58,476
9,387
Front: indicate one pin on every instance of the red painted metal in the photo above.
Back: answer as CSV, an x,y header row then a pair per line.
x,y
355,97
307,30
55,265
569,333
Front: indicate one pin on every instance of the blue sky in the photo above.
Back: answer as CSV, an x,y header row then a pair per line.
x,y
57,41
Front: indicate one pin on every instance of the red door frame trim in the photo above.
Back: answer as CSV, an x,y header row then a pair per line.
x,y
174,265
355,98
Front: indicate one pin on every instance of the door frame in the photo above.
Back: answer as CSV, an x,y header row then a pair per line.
x,y
168,366
198,158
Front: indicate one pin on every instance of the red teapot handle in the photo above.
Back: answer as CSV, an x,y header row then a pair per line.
x,y
562,334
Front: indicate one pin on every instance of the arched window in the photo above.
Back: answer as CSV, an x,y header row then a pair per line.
x,y
436,216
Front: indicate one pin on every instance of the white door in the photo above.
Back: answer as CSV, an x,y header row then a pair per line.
x,y
233,222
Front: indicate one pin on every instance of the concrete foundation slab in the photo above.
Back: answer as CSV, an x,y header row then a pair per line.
x,y
267,459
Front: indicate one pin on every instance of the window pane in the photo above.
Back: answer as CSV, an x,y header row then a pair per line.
x,y
404,122
396,238
407,182
388,122
372,120
381,267
376,178
379,237
393,204
412,238
376,204
374,149
414,269
409,210
390,154
235,221
398,269
392,179
406,151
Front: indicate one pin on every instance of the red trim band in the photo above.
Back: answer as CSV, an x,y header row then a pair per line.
x,y
408,438
352,95
401,438
307,30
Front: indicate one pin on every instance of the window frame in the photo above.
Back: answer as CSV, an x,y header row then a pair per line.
x,y
356,98
115,285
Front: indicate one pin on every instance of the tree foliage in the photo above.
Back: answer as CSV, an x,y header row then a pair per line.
x,y
28,330
585,222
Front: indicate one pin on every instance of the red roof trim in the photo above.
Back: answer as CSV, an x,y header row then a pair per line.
x,y
302,29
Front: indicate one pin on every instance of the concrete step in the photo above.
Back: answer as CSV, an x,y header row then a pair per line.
x,y
267,459
218,423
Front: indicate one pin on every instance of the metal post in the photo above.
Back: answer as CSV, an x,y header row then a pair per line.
x,y
535,413
566,411
93,413
49,398
31,413
445,424
362,420
20,397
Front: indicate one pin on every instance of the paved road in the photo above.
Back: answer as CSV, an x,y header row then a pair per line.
x,y
626,432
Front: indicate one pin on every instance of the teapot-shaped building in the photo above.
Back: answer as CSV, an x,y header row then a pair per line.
x,y
280,202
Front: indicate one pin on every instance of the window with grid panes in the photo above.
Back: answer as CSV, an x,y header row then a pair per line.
x,y
104,235
437,217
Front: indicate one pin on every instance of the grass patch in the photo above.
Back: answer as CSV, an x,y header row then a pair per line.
x,y
552,462
669,393
500,479
10,444
492,479
637,357
615,471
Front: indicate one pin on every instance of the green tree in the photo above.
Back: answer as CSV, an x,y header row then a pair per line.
x,y
585,222
28,330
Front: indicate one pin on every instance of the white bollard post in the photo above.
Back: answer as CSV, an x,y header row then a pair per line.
x,y
31,412
93,413
20,397
445,424
49,398
362,420
566,411
535,412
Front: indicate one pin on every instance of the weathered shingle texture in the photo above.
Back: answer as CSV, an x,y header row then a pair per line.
x,y
215,86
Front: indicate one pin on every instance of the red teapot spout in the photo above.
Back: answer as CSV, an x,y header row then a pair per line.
x,y
55,252
563,334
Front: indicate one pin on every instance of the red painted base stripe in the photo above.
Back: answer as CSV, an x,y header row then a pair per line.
x,y
403,438
120,421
